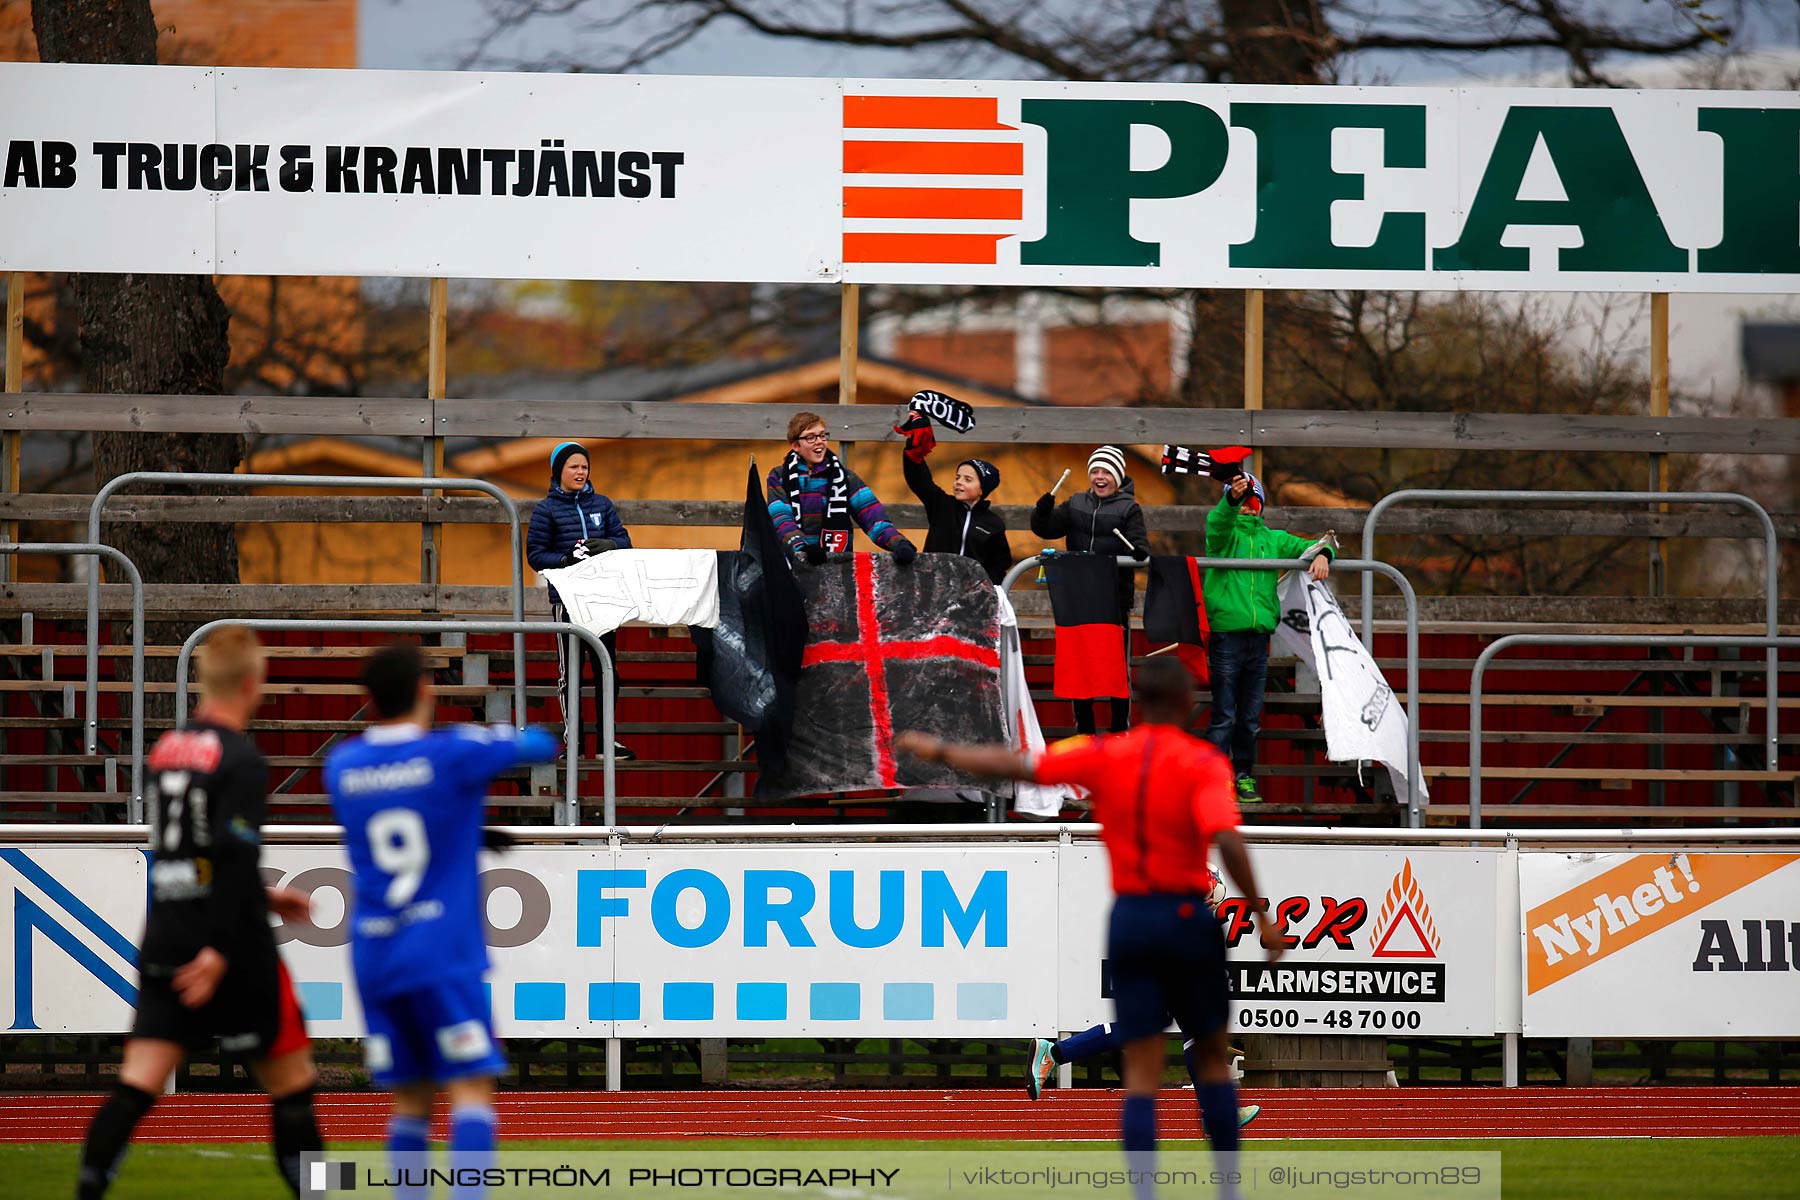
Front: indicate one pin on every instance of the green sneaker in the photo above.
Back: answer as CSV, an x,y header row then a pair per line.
x,y
1043,1065
1247,1113
1247,793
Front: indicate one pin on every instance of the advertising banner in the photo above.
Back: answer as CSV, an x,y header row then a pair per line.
x,y
295,172
1382,940
1661,945
791,940
773,941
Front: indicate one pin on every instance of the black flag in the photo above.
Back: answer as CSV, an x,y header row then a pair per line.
x,y
752,660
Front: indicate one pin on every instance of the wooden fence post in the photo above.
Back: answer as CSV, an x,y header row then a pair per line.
x,y
1659,408
1253,363
15,380
432,449
849,334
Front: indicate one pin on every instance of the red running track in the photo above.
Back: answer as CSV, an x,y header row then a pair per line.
x,y
1083,1114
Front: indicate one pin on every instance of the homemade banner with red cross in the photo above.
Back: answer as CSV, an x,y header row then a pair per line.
x,y
890,648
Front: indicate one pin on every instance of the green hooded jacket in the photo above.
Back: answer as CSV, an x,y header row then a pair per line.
x,y
1245,601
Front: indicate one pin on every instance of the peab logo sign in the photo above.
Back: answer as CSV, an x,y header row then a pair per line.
x,y
1301,186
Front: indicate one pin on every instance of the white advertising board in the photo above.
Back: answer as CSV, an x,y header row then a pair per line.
x,y
296,172
1661,945
1385,940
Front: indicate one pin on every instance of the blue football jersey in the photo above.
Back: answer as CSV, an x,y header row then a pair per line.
x,y
411,802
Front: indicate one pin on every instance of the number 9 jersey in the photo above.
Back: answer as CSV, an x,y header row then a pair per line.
x,y
411,802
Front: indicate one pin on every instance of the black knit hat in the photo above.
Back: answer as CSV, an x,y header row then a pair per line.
x,y
560,455
986,473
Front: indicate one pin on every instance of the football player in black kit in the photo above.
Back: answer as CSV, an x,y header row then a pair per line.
x,y
208,967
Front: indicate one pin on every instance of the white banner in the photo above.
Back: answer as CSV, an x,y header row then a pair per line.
x,y
293,172
1661,945
1364,720
1385,940
657,587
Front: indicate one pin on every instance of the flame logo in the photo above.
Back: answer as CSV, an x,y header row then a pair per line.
x,y
1405,904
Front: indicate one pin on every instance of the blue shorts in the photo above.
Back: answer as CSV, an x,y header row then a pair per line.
x,y
1168,966
442,1031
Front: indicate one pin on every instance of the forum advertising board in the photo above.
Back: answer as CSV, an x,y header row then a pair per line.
x,y
299,172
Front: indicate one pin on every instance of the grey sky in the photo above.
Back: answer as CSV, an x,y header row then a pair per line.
x,y
438,34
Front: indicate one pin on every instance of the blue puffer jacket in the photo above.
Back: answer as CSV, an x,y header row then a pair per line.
x,y
561,519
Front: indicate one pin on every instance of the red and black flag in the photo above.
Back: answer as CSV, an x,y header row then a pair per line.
x,y
1175,611
751,660
1090,640
890,648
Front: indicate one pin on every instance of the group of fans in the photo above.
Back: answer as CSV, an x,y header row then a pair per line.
x,y
817,502
411,799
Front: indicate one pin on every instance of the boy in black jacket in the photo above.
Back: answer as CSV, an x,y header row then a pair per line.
x,y
961,521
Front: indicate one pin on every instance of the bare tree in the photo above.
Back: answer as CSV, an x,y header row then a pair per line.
x,y
1191,41
142,333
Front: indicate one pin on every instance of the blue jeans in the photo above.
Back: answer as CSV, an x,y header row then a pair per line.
x,y
1239,664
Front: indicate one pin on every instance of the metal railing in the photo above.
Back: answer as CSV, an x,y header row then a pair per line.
x,y
135,808
328,481
1678,640
1771,553
569,813
1414,777
1016,831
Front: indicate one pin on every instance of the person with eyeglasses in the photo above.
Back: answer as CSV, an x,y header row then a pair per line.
x,y
816,501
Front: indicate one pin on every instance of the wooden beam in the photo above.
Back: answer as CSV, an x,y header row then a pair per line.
x,y
432,451
849,338
1659,410
1036,425
10,439
1253,362
323,416
456,510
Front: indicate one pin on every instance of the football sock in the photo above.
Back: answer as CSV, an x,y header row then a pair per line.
x,y
408,1136
1137,1128
1218,1114
107,1136
1085,1044
471,1145
295,1131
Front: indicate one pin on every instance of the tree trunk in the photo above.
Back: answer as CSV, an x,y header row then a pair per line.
x,y
147,334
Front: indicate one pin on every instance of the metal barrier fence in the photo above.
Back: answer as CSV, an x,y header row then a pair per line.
x,y
1772,644
135,808
570,811
329,481
1414,777
1771,553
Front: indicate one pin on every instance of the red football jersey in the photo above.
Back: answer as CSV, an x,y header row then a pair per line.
x,y
1158,793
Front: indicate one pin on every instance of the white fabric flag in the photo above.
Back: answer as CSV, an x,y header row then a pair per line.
x,y
1036,799
657,587
1364,720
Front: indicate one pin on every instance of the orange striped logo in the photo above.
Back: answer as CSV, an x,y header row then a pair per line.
x,y
912,198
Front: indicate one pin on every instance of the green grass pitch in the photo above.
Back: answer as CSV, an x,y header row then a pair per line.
x,y
1532,1169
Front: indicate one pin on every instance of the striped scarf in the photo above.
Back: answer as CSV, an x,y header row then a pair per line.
x,y
794,473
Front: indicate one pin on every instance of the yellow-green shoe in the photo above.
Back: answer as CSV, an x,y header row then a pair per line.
x,y
1246,790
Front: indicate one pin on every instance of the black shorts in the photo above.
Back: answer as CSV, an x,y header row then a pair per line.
x,y
1168,966
254,1013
